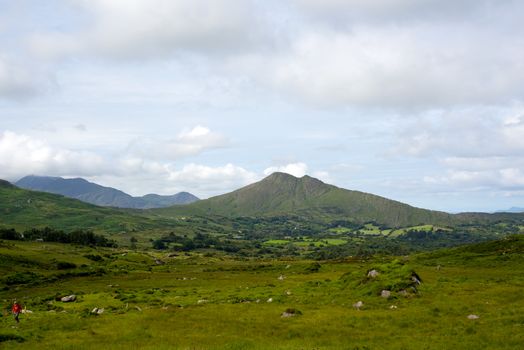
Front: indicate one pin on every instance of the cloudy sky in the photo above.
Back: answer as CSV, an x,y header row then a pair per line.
x,y
421,101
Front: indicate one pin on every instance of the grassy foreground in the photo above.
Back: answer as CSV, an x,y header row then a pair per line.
x,y
157,301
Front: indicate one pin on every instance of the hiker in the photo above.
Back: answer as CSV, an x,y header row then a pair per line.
x,y
17,309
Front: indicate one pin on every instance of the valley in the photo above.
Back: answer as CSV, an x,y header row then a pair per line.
x,y
302,267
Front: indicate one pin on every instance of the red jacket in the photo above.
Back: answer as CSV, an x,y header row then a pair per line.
x,y
16,308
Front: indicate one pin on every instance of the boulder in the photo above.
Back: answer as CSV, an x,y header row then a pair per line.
x,y
97,311
290,313
358,305
68,299
373,273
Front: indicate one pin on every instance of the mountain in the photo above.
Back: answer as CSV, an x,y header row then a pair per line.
x,y
99,195
24,209
284,194
512,210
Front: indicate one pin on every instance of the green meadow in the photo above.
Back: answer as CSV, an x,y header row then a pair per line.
x,y
168,300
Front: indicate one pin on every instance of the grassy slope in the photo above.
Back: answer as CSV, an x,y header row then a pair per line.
x,y
284,194
193,302
23,209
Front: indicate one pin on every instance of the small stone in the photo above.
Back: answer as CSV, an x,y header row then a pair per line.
x,y
473,317
281,277
393,307
358,305
373,273
270,300
290,313
385,294
97,311
68,299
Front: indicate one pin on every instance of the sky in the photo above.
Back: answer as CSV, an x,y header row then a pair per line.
x,y
420,101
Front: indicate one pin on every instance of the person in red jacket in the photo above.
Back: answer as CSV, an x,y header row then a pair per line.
x,y
17,309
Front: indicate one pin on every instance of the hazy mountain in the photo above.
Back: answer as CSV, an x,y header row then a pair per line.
x,y
99,195
24,209
512,210
283,194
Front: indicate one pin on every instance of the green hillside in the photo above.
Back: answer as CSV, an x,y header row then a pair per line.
x,y
282,194
24,209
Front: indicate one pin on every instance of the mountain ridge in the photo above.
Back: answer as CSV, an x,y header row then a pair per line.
x,y
283,194
89,192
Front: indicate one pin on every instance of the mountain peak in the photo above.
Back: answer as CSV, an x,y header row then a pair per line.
x,y
284,194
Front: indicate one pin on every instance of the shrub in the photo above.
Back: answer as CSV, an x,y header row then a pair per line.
x,y
22,278
64,265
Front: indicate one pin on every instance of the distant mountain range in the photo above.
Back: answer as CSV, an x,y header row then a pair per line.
x,y
93,193
512,210
278,196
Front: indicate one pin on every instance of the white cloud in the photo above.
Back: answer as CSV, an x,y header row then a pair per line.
x,y
189,142
505,179
16,80
365,10
212,180
21,155
420,65
132,29
467,133
295,169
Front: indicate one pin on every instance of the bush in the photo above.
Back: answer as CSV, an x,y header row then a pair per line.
x,y
93,257
22,278
64,265
8,337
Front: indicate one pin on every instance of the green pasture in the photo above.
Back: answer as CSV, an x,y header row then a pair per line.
x,y
164,300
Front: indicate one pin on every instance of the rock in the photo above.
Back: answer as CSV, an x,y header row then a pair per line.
x,y
202,301
68,299
159,262
270,300
393,307
373,273
403,292
97,311
415,278
473,317
290,313
288,292
281,277
25,311
138,308
358,305
385,294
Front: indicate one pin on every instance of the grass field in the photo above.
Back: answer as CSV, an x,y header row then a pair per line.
x,y
193,301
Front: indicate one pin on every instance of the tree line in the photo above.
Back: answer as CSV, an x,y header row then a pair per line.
x,y
48,234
